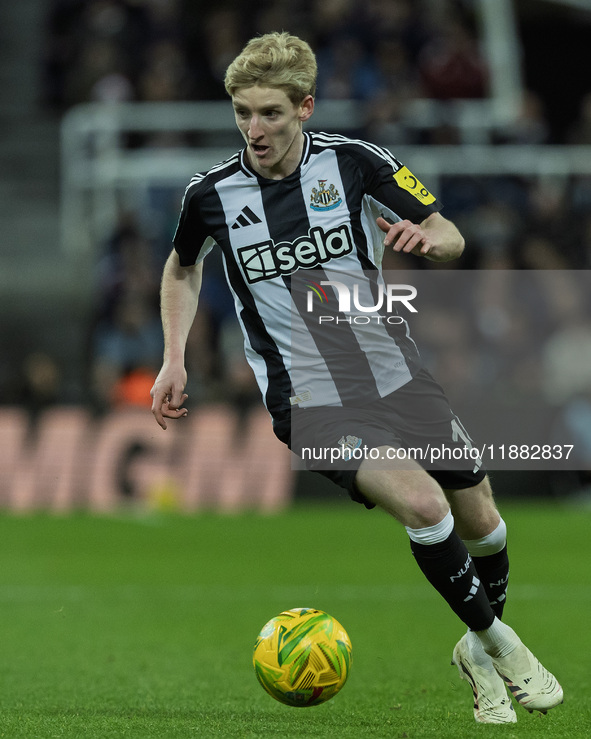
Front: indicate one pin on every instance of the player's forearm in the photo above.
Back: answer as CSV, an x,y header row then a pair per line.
x,y
448,242
179,295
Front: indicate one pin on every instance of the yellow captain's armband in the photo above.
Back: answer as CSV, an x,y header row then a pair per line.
x,y
407,181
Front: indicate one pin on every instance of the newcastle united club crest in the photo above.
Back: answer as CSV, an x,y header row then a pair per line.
x,y
324,198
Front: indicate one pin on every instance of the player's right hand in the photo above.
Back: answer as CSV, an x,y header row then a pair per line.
x,y
168,396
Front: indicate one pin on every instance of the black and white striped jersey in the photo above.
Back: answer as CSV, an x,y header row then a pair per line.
x,y
282,241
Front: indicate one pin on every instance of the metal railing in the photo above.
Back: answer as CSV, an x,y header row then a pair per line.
x,y
101,173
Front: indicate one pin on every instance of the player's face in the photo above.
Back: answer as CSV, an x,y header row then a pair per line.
x,y
272,128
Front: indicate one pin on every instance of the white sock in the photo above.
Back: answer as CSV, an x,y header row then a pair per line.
x,y
433,534
477,651
491,544
498,640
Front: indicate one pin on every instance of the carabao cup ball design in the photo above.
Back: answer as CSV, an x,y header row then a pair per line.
x,y
302,657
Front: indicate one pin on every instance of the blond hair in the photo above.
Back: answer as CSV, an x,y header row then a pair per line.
x,y
275,60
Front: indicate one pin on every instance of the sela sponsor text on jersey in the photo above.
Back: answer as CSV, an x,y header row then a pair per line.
x,y
267,260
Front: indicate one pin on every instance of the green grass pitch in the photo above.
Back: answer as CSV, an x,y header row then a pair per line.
x,y
143,625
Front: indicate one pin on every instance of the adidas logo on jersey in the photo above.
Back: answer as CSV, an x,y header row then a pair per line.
x,y
267,260
246,218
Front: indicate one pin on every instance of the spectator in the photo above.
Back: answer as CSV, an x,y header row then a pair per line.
x,y
346,72
530,126
125,338
580,131
39,383
166,76
452,65
549,217
126,350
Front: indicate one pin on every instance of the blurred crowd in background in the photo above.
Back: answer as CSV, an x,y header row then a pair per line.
x,y
382,53
376,50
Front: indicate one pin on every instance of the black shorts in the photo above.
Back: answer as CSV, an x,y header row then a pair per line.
x,y
415,422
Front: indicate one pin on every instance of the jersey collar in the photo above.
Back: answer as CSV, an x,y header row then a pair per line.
x,y
249,171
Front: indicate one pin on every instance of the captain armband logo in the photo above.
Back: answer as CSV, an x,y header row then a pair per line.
x,y
407,181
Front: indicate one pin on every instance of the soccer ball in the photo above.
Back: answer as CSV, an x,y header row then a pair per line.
x,y
302,657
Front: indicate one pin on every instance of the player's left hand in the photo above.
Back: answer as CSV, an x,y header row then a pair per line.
x,y
406,237
167,394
